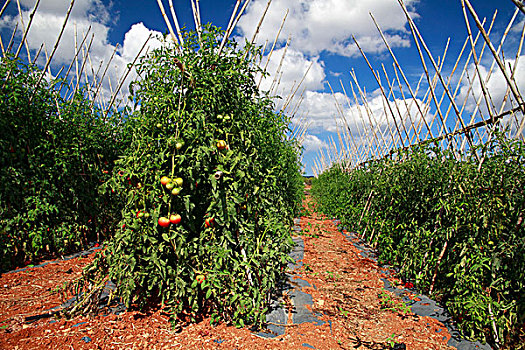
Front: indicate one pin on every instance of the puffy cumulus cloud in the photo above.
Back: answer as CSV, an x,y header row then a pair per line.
x,y
376,116
496,86
318,110
292,67
93,10
312,144
328,25
88,18
321,114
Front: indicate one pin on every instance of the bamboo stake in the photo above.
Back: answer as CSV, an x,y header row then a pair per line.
x,y
26,30
476,65
349,132
415,32
380,86
4,53
104,73
470,87
340,110
273,47
437,267
402,73
518,54
510,83
174,15
385,100
407,108
54,95
84,61
230,28
168,23
369,114
280,63
458,85
372,138
519,5
125,76
391,92
11,41
4,7
54,49
487,78
260,22
291,96
37,54
230,23
196,19
74,58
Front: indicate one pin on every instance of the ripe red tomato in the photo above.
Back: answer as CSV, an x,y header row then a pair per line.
x,y
200,278
164,180
164,221
209,222
175,218
221,144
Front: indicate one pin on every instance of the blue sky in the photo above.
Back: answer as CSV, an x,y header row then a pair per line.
x,y
321,33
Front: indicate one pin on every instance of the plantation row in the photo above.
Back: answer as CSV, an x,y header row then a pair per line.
x,y
195,186
454,228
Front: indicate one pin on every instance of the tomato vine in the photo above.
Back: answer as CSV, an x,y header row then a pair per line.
x,y
209,152
454,228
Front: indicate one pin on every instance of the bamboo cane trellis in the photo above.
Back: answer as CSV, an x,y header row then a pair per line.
x,y
457,111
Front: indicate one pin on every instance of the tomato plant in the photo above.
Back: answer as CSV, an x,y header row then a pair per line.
x,y
455,227
54,154
241,252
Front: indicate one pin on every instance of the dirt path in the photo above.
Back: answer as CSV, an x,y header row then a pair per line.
x,y
349,301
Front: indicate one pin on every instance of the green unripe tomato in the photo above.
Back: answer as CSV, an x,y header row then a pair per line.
x,y
178,181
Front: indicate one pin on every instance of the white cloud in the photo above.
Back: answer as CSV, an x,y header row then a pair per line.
x,y
322,114
294,66
312,144
496,85
88,17
93,10
320,111
328,25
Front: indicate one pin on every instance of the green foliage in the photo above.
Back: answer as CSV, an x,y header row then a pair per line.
x,y
462,222
53,154
201,122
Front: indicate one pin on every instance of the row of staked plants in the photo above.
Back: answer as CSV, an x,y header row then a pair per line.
x,y
196,185
453,227
54,155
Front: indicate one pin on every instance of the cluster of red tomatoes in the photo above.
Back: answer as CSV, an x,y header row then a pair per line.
x,y
175,186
